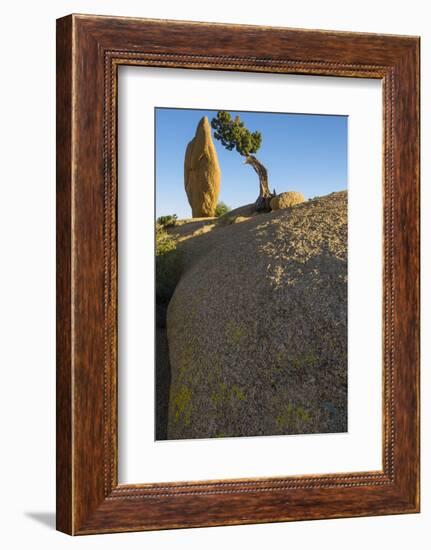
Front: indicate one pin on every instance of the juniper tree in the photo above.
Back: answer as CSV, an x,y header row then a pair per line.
x,y
233,134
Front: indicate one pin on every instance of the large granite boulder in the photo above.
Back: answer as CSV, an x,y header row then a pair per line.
x,y
257,326
286,200
202,172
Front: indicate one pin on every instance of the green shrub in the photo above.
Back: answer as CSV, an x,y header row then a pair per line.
x,y
227,220
221,209
167,221
164,242
168,265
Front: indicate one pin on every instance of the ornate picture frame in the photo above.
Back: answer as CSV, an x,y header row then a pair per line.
x,y
89,51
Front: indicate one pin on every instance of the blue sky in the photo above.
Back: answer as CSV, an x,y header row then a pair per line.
x,y
306,153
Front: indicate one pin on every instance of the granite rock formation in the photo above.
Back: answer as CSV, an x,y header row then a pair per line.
x,y
202,172
286,200
257,326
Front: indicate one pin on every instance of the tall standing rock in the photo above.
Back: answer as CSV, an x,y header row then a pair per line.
x,y
202,172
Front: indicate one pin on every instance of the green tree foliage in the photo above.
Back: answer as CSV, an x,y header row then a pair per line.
x,y
221,209
233,134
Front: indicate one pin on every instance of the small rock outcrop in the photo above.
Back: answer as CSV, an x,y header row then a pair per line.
x,y
257,326
285,200
202,172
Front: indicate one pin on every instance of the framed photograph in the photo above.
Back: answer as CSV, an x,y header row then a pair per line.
x,y
237,274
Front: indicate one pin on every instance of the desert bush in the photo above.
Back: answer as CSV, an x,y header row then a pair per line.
x,y
221,209
230,220
225,220
167,221
164,241
168,265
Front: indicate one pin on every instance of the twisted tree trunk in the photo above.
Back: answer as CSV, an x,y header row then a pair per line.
x,y
265,195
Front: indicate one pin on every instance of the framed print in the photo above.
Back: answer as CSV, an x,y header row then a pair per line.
x,y
237,274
